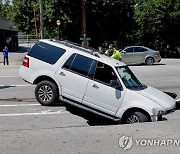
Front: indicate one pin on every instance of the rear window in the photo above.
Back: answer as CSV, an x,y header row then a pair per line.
x,y
46,52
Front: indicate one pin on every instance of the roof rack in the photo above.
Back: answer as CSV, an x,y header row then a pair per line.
x,y
71,44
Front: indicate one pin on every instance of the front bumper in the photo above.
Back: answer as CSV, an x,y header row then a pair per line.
x,y
157,58
178,104
159,116
177,107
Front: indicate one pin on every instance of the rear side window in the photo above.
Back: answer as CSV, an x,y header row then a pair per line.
x,y
69,62
139,49
46,52
79,64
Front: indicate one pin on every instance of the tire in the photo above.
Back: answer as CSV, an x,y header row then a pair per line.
x,y
136,117
149,61
46,93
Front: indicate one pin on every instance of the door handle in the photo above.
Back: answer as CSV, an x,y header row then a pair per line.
x,y
95,86
62,73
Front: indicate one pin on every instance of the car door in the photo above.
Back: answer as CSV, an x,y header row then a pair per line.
x,y
127,55
139,54
100,94
73,77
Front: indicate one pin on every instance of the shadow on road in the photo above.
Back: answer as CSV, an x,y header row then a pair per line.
x,y
22,49
156,64
17,99
4,87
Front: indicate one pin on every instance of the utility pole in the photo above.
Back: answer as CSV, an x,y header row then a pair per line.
x,y
35,22
41,19
84,31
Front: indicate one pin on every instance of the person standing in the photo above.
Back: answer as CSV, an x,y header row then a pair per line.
x,y
5,53
113,53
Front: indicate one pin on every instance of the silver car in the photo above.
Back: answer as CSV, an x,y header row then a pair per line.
x,y
140,54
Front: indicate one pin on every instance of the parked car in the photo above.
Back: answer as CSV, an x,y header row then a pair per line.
x,y
91,81
140,54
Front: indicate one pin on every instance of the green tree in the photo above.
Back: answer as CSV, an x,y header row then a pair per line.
x,y
6,9
107,20
158,23
68,13
125,22
110,21
23,15
1,8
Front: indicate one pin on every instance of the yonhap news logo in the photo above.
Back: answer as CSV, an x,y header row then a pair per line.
x,y
127,141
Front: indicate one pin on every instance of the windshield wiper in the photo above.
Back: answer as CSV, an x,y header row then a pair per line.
x,y
137,87
143,86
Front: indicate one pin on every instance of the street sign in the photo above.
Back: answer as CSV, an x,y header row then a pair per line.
x,y
88,39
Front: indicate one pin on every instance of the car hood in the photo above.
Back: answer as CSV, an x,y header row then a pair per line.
x,y
159,97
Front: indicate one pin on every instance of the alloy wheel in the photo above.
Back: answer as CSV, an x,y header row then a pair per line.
x,y
132,119
149,61
45,93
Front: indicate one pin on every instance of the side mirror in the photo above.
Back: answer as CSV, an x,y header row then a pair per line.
x,y
115,84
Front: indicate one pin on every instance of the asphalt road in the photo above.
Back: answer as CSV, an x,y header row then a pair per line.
x,y
27,127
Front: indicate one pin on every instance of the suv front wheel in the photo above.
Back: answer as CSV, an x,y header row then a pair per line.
x,y
46,93
136,117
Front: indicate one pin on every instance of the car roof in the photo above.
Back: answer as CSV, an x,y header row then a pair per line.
x,y
136,46
88,51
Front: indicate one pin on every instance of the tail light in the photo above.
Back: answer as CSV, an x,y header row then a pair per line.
x,y
158,53
26,62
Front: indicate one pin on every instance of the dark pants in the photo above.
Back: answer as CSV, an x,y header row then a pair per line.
x,y
6,59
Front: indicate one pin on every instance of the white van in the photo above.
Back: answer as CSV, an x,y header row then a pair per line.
x,y
89,80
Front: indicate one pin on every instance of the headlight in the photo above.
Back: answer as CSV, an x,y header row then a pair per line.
x,y
160,113
157,114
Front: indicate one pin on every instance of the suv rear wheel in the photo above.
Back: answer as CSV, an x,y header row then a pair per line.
x,y
136,117
46,93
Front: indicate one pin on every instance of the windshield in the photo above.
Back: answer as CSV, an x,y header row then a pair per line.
x,y
129,79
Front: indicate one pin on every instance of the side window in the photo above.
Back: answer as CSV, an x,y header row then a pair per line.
x,y
46,52
79,64
129,50
104,73
69,62
139,49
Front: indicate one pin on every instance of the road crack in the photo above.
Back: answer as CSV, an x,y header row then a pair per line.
x,y
18,99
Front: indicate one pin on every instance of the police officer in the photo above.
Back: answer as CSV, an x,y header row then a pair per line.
x,y
113,53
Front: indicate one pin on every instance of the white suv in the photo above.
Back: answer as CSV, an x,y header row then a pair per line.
x,y
91,81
